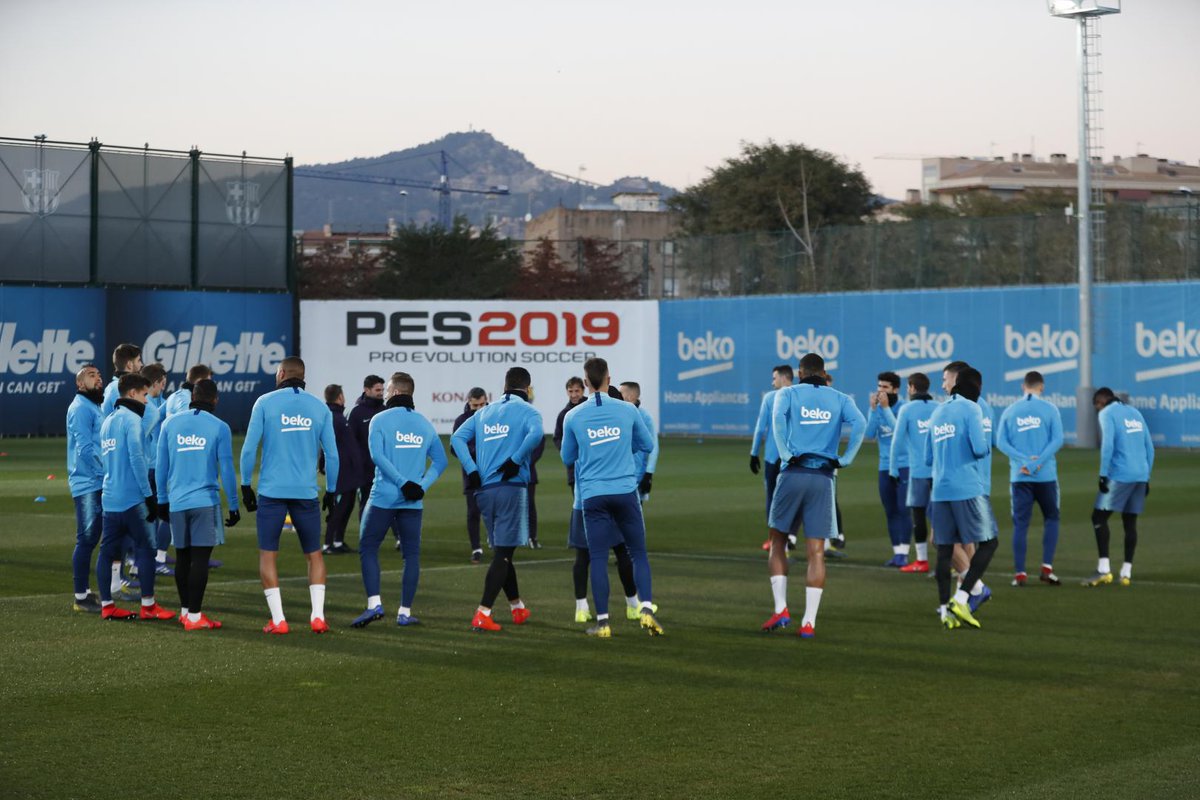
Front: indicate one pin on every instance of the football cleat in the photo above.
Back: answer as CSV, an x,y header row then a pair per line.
x,y
344,549
484,622
278,630
404,620
601,630
897,561
534,544
916,566
319,625
650,624
170,558
836,555
202,624
127,593
1099,579
215,563
155,612
950,622
88,605
1019,579
1049,577
776,621
112,612
583,615
838,542
974,601
163,569
963,613
520,616
806,631
1126,581
367,617
476,556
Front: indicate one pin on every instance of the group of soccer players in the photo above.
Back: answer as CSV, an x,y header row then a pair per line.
x,y
935,469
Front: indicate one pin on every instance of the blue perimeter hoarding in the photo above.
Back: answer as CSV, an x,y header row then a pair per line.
x,y
47,334
717,354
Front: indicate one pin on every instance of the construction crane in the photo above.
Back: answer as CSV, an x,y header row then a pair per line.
x,y
443,186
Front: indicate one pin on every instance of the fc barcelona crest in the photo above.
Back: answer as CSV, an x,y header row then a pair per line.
x,y
39,192
241,202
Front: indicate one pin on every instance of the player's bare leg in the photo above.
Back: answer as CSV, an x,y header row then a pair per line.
x,y
777,568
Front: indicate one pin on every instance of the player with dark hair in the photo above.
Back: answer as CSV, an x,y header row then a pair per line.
x,y
195,460
631,392
807,423
781,377
908,444
1126,461
476,399
292,426
126,359
881,426
349,477
368,404
181,399
152,423
1030,433
505,434
85,477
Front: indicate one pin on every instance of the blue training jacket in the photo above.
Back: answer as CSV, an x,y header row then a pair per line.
x,y
509,428
152,422
989,430
908,439
401,441
85,469
123,448
647,462
1126,451
178,402
956,445
808,419
292,425
194,448
601,437
111,396
762,430
1030,433
881,426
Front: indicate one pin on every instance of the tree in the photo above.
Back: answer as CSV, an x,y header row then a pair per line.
x,y
435,263
332,273
598,275
545,276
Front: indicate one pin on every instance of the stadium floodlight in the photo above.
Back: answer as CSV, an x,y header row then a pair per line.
x,y
1083,12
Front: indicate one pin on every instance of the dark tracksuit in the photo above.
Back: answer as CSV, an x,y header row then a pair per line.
x,y
349,477
558,439
473,514
533,479
365,408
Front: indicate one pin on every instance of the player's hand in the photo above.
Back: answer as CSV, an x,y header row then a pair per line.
x,y
1103,485
249,499
412,491
164,512
235,517
473,480
755,464
509,469
874,399
644,483
329,501
1025,471
151,509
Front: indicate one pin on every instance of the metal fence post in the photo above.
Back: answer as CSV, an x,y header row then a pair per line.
x,y
94,214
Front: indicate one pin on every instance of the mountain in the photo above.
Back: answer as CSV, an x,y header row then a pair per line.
x,y
477,160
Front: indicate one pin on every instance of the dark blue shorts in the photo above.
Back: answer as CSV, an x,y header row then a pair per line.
x,y
306,518
1127,498
505,510
919,491
805,496
197,527
968,521
575,536
613,519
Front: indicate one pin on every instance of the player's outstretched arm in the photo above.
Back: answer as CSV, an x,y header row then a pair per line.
x,y
254,433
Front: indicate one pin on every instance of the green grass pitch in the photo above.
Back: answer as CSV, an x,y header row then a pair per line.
x,y
1065,692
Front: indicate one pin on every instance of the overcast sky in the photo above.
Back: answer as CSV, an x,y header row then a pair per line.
x,y
662,89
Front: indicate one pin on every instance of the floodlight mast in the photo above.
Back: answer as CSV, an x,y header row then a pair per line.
x,y
1086,433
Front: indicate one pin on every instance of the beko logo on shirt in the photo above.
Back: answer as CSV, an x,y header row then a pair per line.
x,y
296,423
922,344
107,446
1133,426
1177,342
190,442
497,431
943,432
1028,424
406,441
922,426
608,433
814,416
178,351
54,352
826,345
885,431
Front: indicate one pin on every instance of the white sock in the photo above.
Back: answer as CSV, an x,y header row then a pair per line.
x,y
581,605
922,551
900,549
1048,567
518,604
487,612
647,606
779,592
828,546
374,600
978,590
812,602
339,544
275,603
147,601
115,584
316,591
106,603
79,596
961,597
161,556
405,611
792,538
602,618
1104,566
183,611
193,616
632,602
1127,569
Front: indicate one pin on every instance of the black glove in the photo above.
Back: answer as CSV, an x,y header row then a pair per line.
x,y
235,517
1103,485
755,465
509,469
894,479
249,499
329,501
151,509
164,512
412,491
473,480
644,484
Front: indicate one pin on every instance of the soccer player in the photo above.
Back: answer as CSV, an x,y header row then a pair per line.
x,y
631,392
908,444
807,422
476,399
408,457
349,477
600,439
126,358
152,422
85,477
504,434
1126,460
195,451
1030,433
129,506
181,399
291,425
781,377
955,448
881,426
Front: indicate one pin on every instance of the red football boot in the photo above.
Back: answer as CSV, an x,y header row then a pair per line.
x,y
520,616
775,621
155,612
279,629
484,622
204,623
916,566
112,612
319,625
